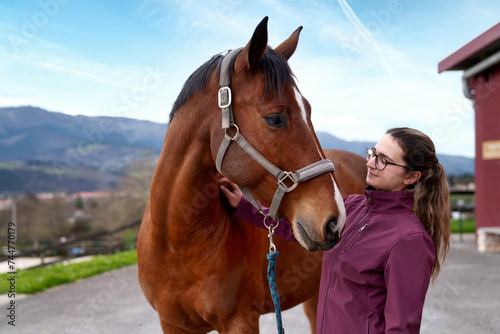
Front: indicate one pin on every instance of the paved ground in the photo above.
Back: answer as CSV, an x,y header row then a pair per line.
x,y
464,299
466,296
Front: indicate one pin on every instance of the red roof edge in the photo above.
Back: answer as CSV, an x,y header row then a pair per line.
x,y
472,52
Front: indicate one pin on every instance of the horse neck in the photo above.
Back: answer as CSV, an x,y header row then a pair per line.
x,y
184,200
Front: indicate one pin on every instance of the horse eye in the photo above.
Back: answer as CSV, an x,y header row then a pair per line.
x,y
276,121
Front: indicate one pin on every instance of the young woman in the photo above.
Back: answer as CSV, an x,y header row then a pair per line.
x,y
376,278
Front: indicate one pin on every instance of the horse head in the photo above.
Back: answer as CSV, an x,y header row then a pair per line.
x,y
274,117
262,109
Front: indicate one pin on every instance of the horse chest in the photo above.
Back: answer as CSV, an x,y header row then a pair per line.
x,y
203,299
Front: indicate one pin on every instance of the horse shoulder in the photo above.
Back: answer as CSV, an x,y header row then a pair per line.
x,y
350,171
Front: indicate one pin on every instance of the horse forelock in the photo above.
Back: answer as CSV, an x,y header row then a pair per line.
x,y
278,73
276,70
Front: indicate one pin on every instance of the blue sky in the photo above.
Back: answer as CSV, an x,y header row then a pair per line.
x,y
131,58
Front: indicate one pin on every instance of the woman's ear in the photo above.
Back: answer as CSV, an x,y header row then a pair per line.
x,y
412,178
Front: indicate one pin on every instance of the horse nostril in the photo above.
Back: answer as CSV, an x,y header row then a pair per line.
x,y
331,233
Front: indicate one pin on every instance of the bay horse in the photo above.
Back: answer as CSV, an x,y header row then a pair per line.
x,y
201,268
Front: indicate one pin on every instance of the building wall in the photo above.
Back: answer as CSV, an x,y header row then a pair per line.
x,y
487,163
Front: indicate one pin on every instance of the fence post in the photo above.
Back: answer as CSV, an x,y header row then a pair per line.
x,y
460,204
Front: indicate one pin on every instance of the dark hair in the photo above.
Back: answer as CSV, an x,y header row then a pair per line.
x,y
432,194
277,74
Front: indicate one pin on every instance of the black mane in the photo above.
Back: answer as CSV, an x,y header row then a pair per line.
x,y
277,74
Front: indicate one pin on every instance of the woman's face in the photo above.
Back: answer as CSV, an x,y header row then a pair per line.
x,y
392,178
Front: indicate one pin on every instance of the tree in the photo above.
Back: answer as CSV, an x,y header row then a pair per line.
x,y
129,201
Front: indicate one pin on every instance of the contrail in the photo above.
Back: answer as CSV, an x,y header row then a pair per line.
x,y
349,13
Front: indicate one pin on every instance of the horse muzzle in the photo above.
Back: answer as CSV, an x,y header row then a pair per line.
x,y
312,241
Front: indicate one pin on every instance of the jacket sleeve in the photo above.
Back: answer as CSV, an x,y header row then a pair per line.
x,y
249,213
407,274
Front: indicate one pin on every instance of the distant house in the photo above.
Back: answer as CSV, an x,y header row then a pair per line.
x,y
87,195
5,204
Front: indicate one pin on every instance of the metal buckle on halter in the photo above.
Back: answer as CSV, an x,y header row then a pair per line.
x,y
289,175
224,97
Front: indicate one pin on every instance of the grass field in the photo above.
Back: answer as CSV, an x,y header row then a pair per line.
x,y
35,280
468,226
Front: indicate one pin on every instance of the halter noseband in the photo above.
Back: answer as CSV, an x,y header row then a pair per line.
x,y
306,173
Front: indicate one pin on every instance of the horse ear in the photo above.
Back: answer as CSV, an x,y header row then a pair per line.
x,y
251,55
287,48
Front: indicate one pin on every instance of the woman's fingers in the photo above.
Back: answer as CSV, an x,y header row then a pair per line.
x,y
231,191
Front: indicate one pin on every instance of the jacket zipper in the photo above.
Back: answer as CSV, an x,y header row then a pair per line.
x,y
337,255
356,237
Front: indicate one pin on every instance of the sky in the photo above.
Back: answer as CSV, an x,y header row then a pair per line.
x,y
364,66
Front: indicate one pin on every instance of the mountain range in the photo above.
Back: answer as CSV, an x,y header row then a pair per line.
x,y
43,151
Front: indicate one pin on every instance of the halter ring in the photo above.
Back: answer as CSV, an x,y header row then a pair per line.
x,y
270,227
237,131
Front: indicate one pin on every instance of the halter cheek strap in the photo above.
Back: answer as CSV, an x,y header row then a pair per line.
x,y
283,177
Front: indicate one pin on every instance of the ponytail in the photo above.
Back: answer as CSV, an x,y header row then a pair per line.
x,y
432,207
432,194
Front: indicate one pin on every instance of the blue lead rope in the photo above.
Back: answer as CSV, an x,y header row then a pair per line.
x,y
271,277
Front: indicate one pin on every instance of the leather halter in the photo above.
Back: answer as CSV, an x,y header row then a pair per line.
x,y
306,173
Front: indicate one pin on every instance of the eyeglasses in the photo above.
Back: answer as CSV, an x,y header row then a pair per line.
x,y
380,161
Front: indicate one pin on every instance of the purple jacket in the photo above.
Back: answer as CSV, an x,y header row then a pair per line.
x,y
376,278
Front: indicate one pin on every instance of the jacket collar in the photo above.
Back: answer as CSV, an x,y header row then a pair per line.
x,y
390,201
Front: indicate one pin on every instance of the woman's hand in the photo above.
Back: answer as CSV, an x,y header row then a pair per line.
x,y
231,191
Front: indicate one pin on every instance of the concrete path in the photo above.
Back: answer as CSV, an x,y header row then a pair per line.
x,y
464,299
466,295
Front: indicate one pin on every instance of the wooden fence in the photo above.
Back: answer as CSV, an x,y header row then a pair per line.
x,y
103,242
